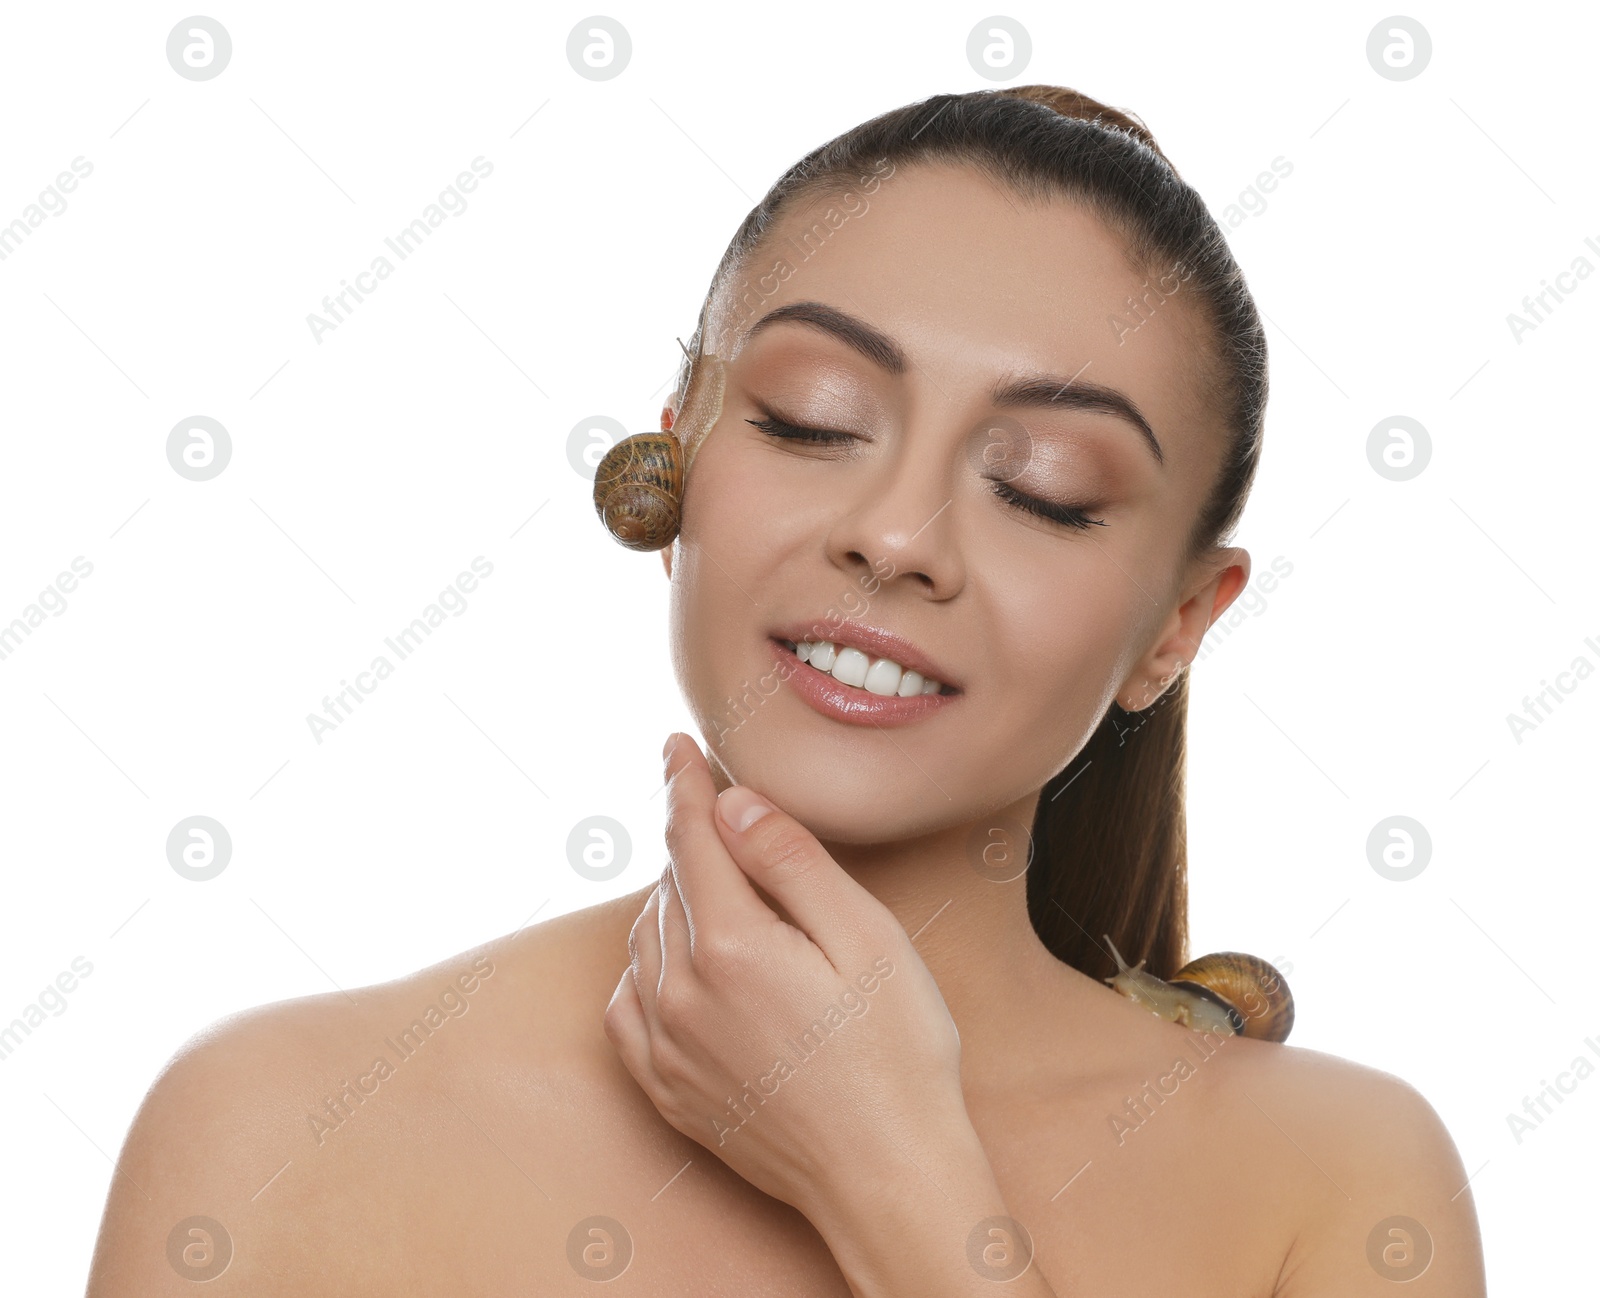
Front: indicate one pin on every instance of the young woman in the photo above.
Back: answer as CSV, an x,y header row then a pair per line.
x,y
992,393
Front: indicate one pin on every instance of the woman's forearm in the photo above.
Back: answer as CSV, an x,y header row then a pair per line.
x,y
928,1225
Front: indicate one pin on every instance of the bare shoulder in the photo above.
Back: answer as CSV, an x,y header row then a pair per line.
x,y
262,1121
214,1168
1379,1188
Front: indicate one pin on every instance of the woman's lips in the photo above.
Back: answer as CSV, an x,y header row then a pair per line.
x,y
846,703
874,641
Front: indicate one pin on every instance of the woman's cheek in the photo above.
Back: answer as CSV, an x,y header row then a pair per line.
x,y
731,489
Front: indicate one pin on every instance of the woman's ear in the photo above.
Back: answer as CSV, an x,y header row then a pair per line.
x,y
668,418
1179,642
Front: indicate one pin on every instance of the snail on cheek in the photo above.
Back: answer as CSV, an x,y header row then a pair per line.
x,y
639,483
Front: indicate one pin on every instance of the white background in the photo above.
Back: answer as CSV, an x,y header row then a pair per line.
x,y
432,426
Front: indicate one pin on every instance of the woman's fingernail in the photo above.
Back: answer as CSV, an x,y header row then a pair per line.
x,y
740,808
666,751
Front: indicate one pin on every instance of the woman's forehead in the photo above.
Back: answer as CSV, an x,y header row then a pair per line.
x,y
974,281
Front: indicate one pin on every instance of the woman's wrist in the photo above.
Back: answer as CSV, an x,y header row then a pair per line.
x,y
926,1220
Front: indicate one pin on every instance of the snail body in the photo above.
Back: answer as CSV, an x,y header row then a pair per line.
x,y
1227,992
639,482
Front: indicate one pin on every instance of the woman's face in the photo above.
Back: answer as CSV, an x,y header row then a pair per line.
x,y
1041,624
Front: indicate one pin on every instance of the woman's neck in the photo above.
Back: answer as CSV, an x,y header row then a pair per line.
x,y
1021,1012
962,898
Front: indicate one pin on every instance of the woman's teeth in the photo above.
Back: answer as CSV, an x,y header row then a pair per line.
x,y
850,666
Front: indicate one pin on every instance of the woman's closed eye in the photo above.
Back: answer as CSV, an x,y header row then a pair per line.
x,y
1068,515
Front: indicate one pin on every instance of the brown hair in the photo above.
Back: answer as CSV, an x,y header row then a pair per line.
x,y
1109,843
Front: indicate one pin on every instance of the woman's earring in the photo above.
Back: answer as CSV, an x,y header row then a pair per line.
x,y
638,484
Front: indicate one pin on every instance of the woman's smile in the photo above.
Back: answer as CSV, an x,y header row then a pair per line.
x,y
829,685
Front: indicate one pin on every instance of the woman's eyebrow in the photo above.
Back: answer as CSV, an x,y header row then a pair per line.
x,y
1075,394
872,343
883,351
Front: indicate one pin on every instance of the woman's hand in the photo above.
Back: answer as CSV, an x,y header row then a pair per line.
x,y
803,1051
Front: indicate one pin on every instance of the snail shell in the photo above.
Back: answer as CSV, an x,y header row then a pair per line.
x,y
638,484
1227,992
638,490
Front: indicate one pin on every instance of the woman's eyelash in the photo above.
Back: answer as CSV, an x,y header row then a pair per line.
x,y
1064,514
796,433
1067,514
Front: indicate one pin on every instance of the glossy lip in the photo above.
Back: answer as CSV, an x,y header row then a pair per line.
x,y
847,703
873,641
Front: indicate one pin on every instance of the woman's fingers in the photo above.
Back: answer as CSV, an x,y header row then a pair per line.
x,y
629,1034
673,929
644,949
729,865
713,892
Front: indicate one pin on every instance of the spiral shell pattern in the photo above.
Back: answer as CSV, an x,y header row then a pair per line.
x,y
638,490
1250,986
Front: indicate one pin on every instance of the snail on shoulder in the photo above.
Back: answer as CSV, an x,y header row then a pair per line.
x,y
638,484
1227,992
